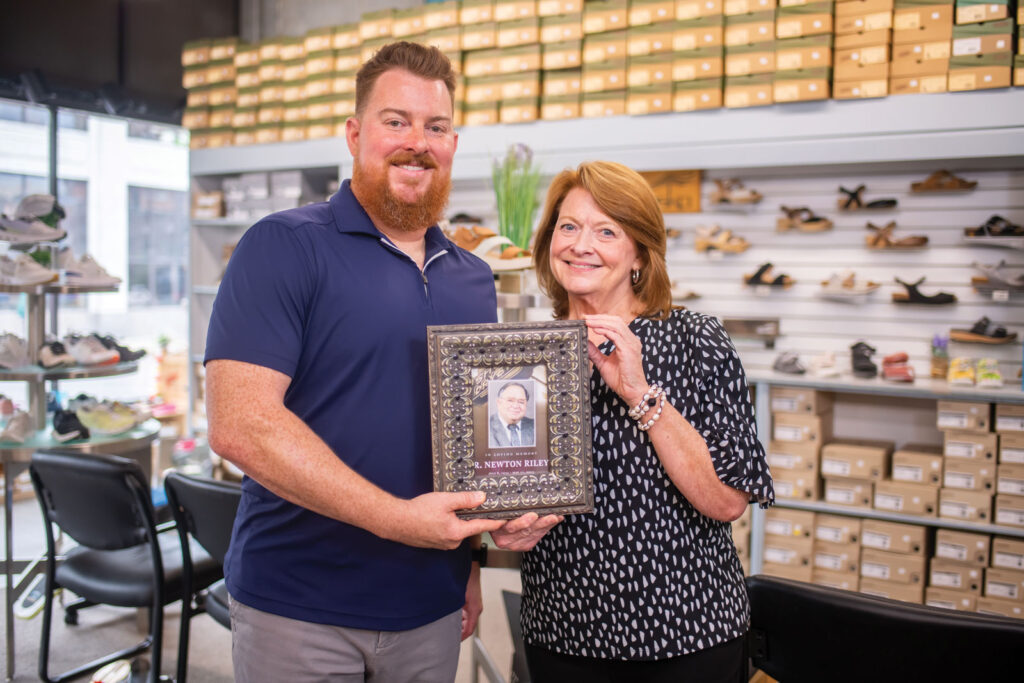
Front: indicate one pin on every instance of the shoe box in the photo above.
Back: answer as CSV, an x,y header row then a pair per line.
x,y
922,20
857,459
789,523
1009,510
918,464
565,82
965,505
792,552
1010,421
783,571
650,39
698,64
649,70
1001,607
859,16
957,576
964,416
840,558
704,93
831,579
861,64
604,47
969,475
605,15
1007,553
879,565
749,28
607,103
959,445
907,539
837,529
904,592
801,401
482,36
519,110
973,11
796,485
985,38
556,28
1005,583
963,546
856,493
800,20
480,113
1018,65
980,72
802,428
649,99
798,457
754,90
692,9
604,76
811,52
515,33
558,107
802,85
757,58
911,499
949,599
699,33
1010,479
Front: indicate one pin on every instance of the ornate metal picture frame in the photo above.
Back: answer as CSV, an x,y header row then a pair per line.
x,y
510,416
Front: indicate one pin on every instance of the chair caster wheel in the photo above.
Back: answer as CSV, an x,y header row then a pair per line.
x,y
71,618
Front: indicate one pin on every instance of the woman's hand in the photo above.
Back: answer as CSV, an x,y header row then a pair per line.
x,y
522,533
622,369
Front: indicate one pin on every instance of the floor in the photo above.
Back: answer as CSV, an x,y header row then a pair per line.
x,y
102,629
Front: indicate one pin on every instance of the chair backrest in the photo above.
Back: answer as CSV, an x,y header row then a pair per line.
x,y
101,501
206,508
804,632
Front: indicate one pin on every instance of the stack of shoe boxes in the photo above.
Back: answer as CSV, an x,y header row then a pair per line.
x,y
801,422
649,50
957,569
893,560
749,40
1009,505
982,48
1004,580
837,551
209,76
969,467
517,37
604,58
800,26
862,48
698,64
851,467
788,544
561,37
922,31
293,89
270,107
1018,61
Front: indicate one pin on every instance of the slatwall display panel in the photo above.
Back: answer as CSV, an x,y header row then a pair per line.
x,y
809,324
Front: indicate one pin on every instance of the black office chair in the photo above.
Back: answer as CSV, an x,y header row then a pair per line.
x,y
205,509
103,502
804,632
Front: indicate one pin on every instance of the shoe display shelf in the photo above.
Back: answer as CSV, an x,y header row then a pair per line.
x,y
889,397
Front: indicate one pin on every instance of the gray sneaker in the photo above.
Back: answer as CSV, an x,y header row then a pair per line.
x,y
37,219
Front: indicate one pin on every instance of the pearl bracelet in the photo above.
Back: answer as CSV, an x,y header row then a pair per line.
x,y
647,402
644,426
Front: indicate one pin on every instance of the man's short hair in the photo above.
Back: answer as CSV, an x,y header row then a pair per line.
x,y
420,60
505,387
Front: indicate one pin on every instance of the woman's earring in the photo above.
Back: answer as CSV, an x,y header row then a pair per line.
x,y
635,276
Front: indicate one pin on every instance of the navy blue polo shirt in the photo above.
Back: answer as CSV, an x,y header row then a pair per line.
x,y
319,294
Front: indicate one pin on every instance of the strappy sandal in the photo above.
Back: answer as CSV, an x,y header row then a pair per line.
x,y
763,276
995,226
914,296
984,331
732,191
943,181
853,200
714,238
789,363
845,287
881,238
995,277
860,360
802,218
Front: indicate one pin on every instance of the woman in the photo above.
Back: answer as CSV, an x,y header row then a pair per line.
x,y
649,587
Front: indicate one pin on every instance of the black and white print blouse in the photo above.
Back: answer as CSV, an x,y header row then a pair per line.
x,y
646,576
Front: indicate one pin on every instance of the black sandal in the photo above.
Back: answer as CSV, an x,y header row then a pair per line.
x,y
760,277
984,331
995,226
854,201
860,360
914,296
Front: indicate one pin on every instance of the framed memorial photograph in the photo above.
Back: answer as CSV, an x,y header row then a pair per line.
x,y
510,416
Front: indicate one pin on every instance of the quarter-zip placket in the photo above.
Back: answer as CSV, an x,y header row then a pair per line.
x,y
423,271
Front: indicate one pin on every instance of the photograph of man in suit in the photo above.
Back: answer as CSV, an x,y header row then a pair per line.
x,y
509,426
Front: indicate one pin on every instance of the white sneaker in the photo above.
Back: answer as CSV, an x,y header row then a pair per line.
x,y
54,355
88,350
37,219
824,365
115,672
24,270
18,428
13,352
84,270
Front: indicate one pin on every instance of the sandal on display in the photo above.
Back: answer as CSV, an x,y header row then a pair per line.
x,y
896,369
881,238
943,181
763,276
672,233
860,360
984,331
680,293
995,226
845,287
789,363
713,238
731,191
961,371
802,218
994,276
988,374
824,365
914,296
497,251
853,200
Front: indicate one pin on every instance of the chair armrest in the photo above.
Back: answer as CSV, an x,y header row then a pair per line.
x,y
166,526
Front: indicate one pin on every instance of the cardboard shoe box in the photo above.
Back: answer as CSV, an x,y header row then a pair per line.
x,y
918,85
604,76
837,529
788,551
971,506
857,16
983,39
1007,553
698,33
973,11
564,55
842,558
862,63
911,499
856,459
980,72
560,107
1011,445
795,573
741,60
607,103
972,445
559,83
649,40
649,99
962,546
1009,510
547,8
796,21
556,29
754,90
970,475
604,47
840,580
1004,583
788,523
702,93
797,456
918,465
644,12
606,15
796,485
803,53
908,539
745,29
947,599
1010,479
963,415
704,63
649,70
732,7
1001,607
802,85
956,576
791,427
922,20
904,592
692,9
1010,417
852,492
860,89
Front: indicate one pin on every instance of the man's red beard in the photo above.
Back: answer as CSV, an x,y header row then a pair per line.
x,y
372,189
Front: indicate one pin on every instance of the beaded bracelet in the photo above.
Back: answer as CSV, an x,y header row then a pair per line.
x,y
647,402
644,426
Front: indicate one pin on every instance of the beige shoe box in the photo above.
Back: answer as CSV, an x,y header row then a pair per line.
x,y
1007,584
918,85
968,506
910,499
922,22
746,29
788,551
860,89
837,529
480,114
1007,553
558,83
795,456
985,76
644,12
606,15
1001,607
970,475
788,523
862,63
841,580
974,11
843,558
815,429
855,493
480,36
649,40
547,8
703,93
476,11
904,592
908,539
519,110
607,103
963,415
1011,448
795,573
732,7
692,9
702,63
1010,418
948,599
797,485
649,99
802,85
1009,510
509,10
962,546
857,459
604,47
918,465
560,28
604,76
797,21
971,445
344,37
742,60
1010,479
519,32
956,576
649,70
858,16
564,55
698,33
560,107
803,53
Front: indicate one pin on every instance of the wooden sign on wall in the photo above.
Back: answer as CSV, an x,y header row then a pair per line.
x,y
677,191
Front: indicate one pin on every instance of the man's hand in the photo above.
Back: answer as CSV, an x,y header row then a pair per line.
x,y
522,533
474,602
429,520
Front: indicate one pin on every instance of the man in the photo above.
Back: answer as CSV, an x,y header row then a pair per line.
x,y
343,564
509,427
